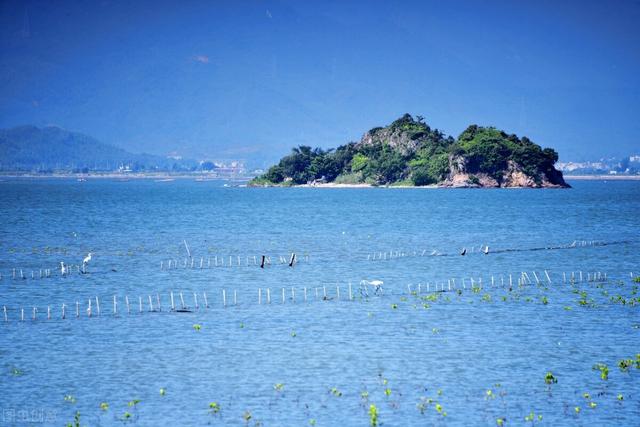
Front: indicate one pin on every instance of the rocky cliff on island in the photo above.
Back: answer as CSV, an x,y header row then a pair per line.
x,y
409,152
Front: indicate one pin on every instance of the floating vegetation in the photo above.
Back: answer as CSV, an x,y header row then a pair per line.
x,y
104,406
214,408
69,398
278,387
197,327
550,379
163,391
604,370
373,415
334,391
76,420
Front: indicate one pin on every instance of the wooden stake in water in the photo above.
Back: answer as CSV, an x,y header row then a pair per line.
x,y
63,313
6,318
283,297
305,294
115,306
77,309
259,295
293,295
224,298
126,300
182,301
158,301
150,303
173,307
195,301
140,304
235,297
206,303
337,292
22,314
268,295
350,293
48,312
35,310
97,306
89,308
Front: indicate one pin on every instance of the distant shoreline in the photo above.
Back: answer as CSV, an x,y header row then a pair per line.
x,y
603,177
118,176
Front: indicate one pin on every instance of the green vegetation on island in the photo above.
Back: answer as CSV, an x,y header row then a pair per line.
x,y
409,152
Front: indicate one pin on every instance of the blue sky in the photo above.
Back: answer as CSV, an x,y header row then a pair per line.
x,y
250,79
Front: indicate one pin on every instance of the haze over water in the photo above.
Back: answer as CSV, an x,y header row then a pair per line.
x,y
461,344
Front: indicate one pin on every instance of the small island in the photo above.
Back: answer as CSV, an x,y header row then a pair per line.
x,y
410,153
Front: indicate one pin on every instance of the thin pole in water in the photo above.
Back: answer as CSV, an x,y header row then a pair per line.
x,y
350,293
22,314
206,303
293,294
305,294
224,298
259,295
283,297
97,306
126,300
235,297
63,314
140,304
338,292
150,303
173,307
115,306
6,318
48,312
158,301
77,309
89,308
268,295
182,301
195,301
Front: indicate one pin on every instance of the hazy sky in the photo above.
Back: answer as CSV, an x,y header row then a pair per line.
x,y
250,79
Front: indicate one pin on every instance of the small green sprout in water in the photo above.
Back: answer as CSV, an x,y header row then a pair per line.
x,y
69,398
592,405
364,395
293,334
214,408
439,392
489,394
586,395
197,326
133,402
104,406
625,364
550,379
435,330
16,372
246,416
335,392
545,300
568,308
126,416
163,391
373,415
500,422
278,387
530,417
241,325
76,420
394,306
604,370
620,397
577,409
387,392
486,298
312,422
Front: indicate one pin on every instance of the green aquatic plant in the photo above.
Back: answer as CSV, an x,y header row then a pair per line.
x,y
127,416
604,370
577,409
586,395
636,279
373,415
394,306
214,408
278,387
241,325
104,406
133,403
625,364
500,422
76,420
620,397
197,326
592,405
544,300
387,392
486,298
550,379
163,391
489,394
246,416
293,334
69,398
335,392
423,404
312,422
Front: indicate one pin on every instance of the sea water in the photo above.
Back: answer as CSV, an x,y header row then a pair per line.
x,y
477,353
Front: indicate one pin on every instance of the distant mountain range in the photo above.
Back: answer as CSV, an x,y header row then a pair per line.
x,y
30,148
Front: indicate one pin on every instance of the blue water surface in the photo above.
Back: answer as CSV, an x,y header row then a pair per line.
x,y
471,355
